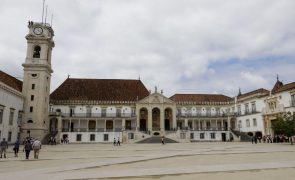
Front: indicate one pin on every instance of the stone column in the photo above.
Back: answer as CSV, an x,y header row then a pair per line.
x,y
79,125
105,125
123,124
137,119
185,123
70,125
162,119
216,128
174,124
228,123
87,125
149,119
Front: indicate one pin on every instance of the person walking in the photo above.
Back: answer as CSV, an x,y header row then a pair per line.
x,y
118,142
162,140
36,147
16,148
3,147
27,148
114,143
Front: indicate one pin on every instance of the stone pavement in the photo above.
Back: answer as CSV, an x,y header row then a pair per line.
x,y
216,160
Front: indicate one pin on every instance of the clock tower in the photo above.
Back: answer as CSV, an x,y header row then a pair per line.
x,y
36,82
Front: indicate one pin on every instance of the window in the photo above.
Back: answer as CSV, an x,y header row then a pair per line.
x,y
202,135
32,97
247,122
19,117
182,135
31,108
106,137
36,53
212,135
79,137
72,111
30,121
103,112
11,114
254,122
239,110
1,114
253,105
240,124
92,137
88,111
247,108
192,135
9,136
208,111
33,86
130,135
133,111
293,100
198,111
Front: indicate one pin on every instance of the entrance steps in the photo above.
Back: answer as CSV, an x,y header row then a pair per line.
x,y
157,139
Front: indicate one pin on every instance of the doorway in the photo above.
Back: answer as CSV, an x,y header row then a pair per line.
x,y
167,124
223,137
142,125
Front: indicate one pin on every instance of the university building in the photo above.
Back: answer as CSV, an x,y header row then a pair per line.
x,y
99,110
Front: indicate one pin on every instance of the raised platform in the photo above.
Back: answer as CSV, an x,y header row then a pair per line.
x,y
156,139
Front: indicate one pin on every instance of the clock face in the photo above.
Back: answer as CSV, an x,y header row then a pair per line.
x,y
38,30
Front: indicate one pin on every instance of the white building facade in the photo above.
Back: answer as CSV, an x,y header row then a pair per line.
x,y
11,107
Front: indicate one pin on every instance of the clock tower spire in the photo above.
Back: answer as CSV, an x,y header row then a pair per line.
x,y
36,83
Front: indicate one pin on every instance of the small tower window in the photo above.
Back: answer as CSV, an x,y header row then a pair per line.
x,y
37,50
30,121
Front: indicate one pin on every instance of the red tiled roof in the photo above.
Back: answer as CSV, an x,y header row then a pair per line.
x,y
260,91
100,90
199,98
11,81
286,87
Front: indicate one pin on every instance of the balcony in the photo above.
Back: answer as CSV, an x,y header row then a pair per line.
x,y
99,115
188,115
93,130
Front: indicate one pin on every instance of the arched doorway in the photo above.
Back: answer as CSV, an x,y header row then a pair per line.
x,y
168,119
109,125
143,119
156,119
91,125
53,125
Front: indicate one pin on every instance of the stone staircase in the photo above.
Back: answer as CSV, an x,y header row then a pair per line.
x,y
156,139
243,136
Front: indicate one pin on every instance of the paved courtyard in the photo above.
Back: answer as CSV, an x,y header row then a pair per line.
x,y
155,161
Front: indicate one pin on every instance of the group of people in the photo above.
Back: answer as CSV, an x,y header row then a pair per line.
x,y
32,144
52,141
29,145
117,142
64,140
275,139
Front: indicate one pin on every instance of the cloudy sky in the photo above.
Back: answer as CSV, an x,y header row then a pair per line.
x,y
181,46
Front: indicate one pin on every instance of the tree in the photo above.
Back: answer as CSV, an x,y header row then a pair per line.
x,y
285,125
